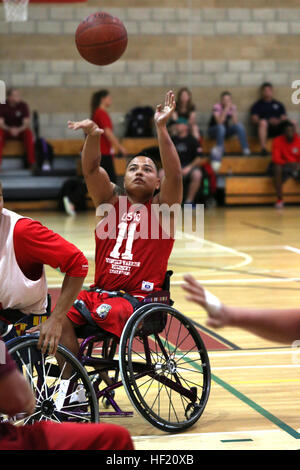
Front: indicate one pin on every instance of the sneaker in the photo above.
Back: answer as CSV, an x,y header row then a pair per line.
x,y
279,204
69,207
246,152
46,166
264,153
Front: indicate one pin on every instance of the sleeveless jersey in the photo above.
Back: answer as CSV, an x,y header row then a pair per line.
x,y
16,290
132,249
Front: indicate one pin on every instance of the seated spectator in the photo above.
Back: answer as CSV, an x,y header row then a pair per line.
x,y
268,116
185,108
15,122
285,159
100,104
223,124
189,153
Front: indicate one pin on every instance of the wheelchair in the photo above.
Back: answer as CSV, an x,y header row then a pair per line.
x,y
160,360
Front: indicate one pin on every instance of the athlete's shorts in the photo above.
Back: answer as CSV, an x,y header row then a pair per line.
x,y
109,313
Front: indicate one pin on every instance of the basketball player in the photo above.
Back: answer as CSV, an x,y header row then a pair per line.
x,y
16,396
125,261
282,326
25,247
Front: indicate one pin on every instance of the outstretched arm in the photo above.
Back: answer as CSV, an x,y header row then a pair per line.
x,y
100,188
171,185
281,326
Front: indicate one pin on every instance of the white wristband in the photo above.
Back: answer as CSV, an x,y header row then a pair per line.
x,y
213,304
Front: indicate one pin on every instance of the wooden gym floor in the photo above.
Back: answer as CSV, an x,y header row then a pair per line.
x,y
250,257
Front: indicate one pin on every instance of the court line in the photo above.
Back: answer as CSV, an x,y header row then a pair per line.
x,y
261,227
216,336
258,367
252,404
242,281
208,434
253,353
247,258
292,248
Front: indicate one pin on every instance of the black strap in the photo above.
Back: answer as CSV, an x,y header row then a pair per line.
x,y
84,311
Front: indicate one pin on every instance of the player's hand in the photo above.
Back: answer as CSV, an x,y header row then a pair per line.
x,y
89,127
217,313
163,114
50,333
14,131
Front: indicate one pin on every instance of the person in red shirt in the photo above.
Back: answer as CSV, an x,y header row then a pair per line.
x,y
100,104
33,246
130,257
16,396
285,159
14,124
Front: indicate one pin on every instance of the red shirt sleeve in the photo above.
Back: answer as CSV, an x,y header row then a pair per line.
x,y
36,245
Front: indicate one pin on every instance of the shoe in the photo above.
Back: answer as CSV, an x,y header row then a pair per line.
x,y
46,166
246,152
69,207
279,204
264,153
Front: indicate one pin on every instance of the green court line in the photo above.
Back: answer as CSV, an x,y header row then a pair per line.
x,y
236,440
255,406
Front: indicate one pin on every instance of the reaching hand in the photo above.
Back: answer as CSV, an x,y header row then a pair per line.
x,y
89,127
216,311
163,114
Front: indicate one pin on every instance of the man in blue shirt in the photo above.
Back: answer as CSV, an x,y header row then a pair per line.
x,y
267,115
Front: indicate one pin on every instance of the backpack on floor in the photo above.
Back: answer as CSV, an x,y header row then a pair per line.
x,y
139,122
75,190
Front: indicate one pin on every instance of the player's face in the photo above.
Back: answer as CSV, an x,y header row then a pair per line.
x,y
15,96
226,100
141,177
267,93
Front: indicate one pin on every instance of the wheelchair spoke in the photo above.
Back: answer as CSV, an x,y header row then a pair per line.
x,y
73,415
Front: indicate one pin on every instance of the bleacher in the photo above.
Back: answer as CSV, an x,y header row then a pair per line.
x,y
244,178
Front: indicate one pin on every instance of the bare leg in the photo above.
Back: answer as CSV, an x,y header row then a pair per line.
x,y
278,181
263,133
194,185
68,340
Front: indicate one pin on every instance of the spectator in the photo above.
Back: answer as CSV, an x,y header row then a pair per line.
x,y
268,116
16,397
101,102
224,123
185,108
285,159
189,153
15,122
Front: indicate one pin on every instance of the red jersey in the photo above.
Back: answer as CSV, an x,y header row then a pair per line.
x,y
132,250
284,151
13,115
102,119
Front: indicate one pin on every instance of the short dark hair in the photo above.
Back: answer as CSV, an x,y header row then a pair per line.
x,y
287,124
225,93
265,85
142,154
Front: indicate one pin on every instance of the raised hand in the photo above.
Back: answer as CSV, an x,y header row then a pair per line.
x,y
217,312
89,127
163,114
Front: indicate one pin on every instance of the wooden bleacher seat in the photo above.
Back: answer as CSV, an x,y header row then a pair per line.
x,y
258,190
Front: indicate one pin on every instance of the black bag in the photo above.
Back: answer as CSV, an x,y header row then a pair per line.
x,y
75,189
140,122
43,150
43,154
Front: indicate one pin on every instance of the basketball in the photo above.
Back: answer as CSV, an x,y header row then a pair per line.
x,y
101,38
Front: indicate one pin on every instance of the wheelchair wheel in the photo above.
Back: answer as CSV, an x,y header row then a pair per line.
x,y
165,367
57,399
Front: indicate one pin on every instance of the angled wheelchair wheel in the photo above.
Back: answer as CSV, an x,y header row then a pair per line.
x,y
58,399
165,367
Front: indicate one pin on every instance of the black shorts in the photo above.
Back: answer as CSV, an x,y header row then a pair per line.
x,y
288,171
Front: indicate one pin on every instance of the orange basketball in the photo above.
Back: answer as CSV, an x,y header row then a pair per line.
x,y
101,38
